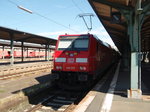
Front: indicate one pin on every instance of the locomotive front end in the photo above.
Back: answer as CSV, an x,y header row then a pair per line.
x,y
71,58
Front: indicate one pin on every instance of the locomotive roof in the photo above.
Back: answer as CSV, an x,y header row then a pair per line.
x,y
75,34
104,43
29,45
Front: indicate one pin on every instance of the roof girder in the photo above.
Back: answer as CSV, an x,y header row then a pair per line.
x,y
115,5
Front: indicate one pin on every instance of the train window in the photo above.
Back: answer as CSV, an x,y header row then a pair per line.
x,y
81,44
64,44
73,43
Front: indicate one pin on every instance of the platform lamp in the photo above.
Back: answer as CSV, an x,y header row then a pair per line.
x,y
115,17
27,10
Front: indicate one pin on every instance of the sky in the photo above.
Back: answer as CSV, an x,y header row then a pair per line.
x,y
51,18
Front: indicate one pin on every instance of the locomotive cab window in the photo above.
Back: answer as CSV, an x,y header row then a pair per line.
x,y
73,43
81,44
64,44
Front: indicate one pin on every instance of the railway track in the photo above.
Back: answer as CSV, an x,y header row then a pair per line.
x,y
59,101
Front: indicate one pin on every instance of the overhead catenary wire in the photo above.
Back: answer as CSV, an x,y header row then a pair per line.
x,y
89,27
86,14
12,2
47,18
82,16
55,22
104,36
77,6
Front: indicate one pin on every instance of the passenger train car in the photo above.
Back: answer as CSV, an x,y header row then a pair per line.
x,y
18,54
81,59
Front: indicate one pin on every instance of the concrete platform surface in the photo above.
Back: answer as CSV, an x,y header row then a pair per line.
x,y
12,86
111,96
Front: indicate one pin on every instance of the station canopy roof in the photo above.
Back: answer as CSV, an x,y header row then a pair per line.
x,y
8,34
118,30
18,44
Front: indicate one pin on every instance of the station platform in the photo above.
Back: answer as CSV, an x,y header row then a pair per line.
x,y
12,86
6,62
107,96
110,94
20,80
14,91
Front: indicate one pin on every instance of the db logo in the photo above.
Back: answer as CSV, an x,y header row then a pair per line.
x,y
70,60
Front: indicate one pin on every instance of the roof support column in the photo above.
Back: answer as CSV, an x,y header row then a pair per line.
x,y
45,52
12,49
48,49
39,53
135,18
50,54
3,52
27,53
135,42
22,44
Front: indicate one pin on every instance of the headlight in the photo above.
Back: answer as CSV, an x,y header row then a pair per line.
x,y
59,67
82,68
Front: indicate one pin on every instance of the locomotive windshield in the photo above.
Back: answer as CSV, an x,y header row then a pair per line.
x,y
73,43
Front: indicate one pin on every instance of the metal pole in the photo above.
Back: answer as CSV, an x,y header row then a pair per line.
x,y
48,53
134,32
90,26
39,53
12,50
91,22
45,52
139,42
27,52
3,53
22,51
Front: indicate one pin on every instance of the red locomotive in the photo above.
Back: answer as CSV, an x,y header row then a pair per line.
x,y
80,58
